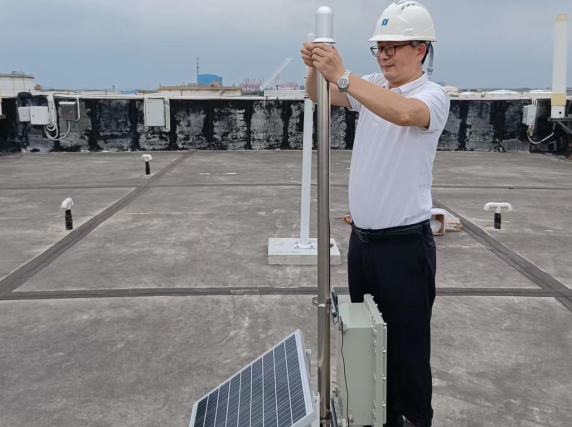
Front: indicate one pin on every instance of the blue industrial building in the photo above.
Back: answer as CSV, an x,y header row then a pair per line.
x,y
207,79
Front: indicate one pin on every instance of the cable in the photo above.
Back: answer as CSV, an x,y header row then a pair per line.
x,y
544,140
56,138
167,127
53,126
529,131
345,381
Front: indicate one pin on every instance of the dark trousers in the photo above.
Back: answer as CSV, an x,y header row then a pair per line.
x,y
397,267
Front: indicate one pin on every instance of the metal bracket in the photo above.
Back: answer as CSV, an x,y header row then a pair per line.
x,y
561,121
299,245
328,303
331,305
334,306
331,308
333,415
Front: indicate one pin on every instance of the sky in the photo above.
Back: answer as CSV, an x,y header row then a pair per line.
x,y
141,44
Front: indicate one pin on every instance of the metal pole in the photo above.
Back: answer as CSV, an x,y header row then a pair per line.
x,y
324,33
323,245
304,241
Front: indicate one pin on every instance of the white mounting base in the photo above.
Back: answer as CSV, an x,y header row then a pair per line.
x,y
285,252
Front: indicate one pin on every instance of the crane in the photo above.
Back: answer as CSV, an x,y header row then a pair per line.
x,y
275,76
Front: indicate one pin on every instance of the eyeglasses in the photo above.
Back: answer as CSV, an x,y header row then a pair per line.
x,y
389,50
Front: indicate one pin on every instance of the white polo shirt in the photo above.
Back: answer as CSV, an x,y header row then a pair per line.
x,y
392,166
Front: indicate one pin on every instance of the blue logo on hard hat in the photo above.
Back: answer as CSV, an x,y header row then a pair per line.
x,y
384,22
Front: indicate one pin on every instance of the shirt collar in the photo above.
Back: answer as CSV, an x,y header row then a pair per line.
x,y
409,86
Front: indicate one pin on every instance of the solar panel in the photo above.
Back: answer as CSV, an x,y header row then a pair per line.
x,y
273,391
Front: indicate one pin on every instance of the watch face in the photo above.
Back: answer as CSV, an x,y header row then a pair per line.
x,y
343,83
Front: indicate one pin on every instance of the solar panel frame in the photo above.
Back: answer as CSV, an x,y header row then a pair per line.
x,y
305,402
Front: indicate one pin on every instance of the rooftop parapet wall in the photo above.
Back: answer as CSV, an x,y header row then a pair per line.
x,y
258,124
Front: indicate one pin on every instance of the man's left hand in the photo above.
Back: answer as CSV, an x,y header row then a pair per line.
x,y
328,61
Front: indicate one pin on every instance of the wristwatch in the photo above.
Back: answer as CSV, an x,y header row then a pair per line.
x,y
344,81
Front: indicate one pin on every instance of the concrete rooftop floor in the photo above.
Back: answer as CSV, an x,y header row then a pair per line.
x,y
162,291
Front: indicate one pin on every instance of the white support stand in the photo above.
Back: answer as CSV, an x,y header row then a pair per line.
x,y
302,251
304,241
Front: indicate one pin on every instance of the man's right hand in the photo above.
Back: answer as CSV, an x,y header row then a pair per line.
x,y
337,98
307,49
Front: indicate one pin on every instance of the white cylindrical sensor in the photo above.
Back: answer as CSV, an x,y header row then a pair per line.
x,y
324,25
559,68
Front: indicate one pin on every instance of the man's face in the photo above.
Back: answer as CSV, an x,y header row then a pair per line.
x,y
404,61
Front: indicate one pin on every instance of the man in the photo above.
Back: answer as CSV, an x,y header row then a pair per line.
x,y
392,252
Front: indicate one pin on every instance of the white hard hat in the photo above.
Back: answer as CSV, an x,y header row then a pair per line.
x,y
404,21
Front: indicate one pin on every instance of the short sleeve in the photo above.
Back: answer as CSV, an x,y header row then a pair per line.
x,y
437,100
354,103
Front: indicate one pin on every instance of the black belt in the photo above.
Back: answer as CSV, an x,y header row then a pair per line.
x,y
370,236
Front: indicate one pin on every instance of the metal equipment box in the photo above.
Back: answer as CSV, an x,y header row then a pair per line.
x,y
68,110
24,114
529,115
40,116
155,112
361,365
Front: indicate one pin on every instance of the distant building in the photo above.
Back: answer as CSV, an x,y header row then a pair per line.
x,y
470,94
288,86
207,79
503,93
251,85
92,92
539,93
213,90
15,82
452,90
